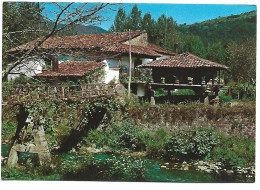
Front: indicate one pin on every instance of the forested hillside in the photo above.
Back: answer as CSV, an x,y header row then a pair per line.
x,y
234,27
228,40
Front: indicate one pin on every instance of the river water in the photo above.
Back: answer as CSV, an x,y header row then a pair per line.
x,y
154,171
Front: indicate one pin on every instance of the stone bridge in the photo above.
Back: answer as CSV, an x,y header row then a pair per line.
x,y
23,94
18,94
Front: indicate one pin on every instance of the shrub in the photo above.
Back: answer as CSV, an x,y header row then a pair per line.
x,y
184,92
234,151
126,135
225,99
191,143
118,136
155,142
9,122
114,168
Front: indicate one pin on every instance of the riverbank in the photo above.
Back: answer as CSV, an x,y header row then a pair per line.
x,y
178,146
71,166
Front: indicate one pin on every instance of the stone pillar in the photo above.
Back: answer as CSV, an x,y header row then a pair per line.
x,y
13,158
216,102
152,98
206,99
41,145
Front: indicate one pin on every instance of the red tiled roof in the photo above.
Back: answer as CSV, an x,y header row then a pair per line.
x,y
73,68
160,49
185,60
107,42
88,41
124,48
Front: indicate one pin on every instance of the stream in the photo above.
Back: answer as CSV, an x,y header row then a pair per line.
x,y
156,170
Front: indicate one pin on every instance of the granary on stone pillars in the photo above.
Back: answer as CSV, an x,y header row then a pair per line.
x,y
186,71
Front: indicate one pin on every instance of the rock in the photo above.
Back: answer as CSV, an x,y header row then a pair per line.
x,y
139,154
230,171
208,170
201,162
186,167
202,168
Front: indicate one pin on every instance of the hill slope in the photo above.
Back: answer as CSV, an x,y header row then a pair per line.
x,y
81,29
234,27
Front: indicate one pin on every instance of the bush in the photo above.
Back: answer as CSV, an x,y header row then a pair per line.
x,y
119,136
155,142
234,151
184,92
103,167
225,99
109,169
191,143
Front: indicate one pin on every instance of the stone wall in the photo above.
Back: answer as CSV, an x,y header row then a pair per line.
x,y
228,120
140,40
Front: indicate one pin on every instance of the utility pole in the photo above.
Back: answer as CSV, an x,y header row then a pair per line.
x,y
130,66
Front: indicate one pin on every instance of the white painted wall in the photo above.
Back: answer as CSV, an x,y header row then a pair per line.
x,y
144,60
28,68
33,67
162,57
111,73
140,90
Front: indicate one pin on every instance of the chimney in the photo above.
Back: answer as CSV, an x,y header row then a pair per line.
x,y
55,64
176,48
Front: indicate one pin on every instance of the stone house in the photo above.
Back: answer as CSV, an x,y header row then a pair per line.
x,y
110,48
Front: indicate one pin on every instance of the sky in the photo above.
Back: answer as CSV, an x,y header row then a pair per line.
x,y
182,13
185,13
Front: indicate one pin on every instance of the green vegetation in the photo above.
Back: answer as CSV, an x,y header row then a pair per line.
x,y
194,143
234,27
191,143
162,92
230,41
110,168
234,151
116,137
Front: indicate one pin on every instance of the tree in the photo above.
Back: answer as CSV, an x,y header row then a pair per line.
x,y
134,19
163,32
119,22
63,16
21,24
193,44
148,24
217,53
242,61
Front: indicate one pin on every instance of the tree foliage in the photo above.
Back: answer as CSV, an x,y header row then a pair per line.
x,y
42,20
242,61
163,32
21,24
226,40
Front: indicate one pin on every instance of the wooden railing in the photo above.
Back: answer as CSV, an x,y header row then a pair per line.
x,y
21,93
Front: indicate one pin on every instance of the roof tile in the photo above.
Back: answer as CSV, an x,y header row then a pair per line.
x,y
185,60
73,68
